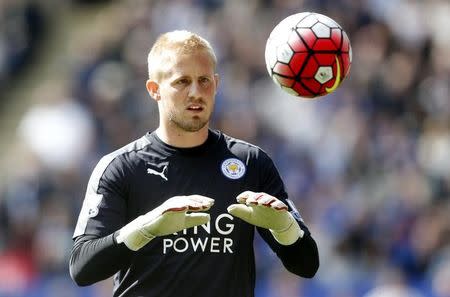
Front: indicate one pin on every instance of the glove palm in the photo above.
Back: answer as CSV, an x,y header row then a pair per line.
x,y
266,211
170,217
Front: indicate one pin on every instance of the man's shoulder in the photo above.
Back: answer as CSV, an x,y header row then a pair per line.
x,y
136,145
239,143
117,156
241,147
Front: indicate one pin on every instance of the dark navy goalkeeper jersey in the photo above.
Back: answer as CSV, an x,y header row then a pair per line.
x,y
215,259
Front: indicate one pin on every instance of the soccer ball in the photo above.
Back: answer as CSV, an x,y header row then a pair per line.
x,y
308,55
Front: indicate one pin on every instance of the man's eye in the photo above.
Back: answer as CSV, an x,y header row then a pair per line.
x,y
182,82
204,80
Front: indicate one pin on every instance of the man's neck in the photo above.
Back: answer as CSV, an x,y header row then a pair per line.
x,y
182,138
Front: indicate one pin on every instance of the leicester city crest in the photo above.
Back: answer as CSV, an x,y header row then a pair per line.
x,y
233,168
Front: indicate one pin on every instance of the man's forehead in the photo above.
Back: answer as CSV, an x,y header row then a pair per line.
x,y
173,64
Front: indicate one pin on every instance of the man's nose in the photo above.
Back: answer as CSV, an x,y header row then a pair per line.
x,y
194,90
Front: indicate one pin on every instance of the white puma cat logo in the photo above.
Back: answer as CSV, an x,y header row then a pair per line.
x,y
162,173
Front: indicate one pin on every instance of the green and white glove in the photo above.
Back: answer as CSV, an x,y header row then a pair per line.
x,y
266,211
172,216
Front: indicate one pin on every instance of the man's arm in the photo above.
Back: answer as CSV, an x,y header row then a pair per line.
x,y
95,255
288,236
301,257
93,259
278,222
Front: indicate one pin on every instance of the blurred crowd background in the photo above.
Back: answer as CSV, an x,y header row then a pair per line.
x,y
368,166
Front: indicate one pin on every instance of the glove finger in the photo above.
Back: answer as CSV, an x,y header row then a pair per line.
x,y
188,203
242,197
176,209
266,200
254,199
278,205
190,206
241,211
195,219
203,202
175,204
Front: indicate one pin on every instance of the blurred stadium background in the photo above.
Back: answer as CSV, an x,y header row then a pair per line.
x,y
368,166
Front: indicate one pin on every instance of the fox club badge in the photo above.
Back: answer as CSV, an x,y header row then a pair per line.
x,y
233,168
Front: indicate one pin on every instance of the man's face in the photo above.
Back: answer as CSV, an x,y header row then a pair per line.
x,y
187,91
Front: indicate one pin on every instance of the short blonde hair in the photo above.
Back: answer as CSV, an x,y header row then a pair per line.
x,y
172,43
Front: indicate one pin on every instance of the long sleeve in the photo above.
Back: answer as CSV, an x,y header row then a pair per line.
x,y
95,255
300,258
94,259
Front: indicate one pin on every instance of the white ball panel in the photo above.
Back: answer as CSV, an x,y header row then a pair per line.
x,y
309,21
289,90
281,32
270,55
324,74
284,53
276,80
327,21
321,30
350,52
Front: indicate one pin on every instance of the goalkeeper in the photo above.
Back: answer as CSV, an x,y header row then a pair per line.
x,y
174,212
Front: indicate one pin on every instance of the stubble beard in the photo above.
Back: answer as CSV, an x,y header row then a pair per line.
x,y
189,124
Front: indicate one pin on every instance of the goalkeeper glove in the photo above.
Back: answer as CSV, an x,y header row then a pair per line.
x,y
170,217
263,210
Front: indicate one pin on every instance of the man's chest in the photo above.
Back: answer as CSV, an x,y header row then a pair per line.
x,y
221,178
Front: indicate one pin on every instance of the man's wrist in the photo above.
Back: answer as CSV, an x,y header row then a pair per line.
x,y
289,235
115,235
133,236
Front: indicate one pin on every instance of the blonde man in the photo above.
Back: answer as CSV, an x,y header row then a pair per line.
x,y
174,212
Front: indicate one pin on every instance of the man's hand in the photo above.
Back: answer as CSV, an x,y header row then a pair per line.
x,y
263,210
170,217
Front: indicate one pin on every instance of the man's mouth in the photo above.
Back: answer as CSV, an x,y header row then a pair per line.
x,y
195,107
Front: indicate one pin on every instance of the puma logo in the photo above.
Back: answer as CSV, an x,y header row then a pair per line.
x,y
162,174
337,81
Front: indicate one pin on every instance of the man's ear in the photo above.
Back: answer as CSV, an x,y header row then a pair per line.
x,y
153,89
216,80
